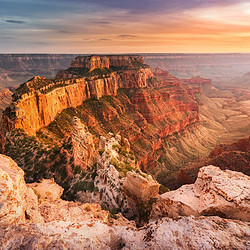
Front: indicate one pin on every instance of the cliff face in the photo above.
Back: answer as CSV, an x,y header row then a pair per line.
x,y
39,100
38,107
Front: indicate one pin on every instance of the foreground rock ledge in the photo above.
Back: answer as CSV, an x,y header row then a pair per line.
x,y
215,192
185,233
34,217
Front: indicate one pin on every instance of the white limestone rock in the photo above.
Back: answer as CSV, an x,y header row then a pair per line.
x,y
215,192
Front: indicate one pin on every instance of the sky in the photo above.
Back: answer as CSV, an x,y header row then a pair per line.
x,y
124,26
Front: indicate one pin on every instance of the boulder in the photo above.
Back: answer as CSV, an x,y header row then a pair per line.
x,y
18,203
215,192
140,186
47,189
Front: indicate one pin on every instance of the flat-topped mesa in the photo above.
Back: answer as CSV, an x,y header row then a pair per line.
x,y
92,65
198,81
90,62
94,61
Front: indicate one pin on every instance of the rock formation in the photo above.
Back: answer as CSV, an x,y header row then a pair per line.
x,y
17,202
84,151
73,225
38,202
141,187
121,185
37,102
215,192
185,233
5,99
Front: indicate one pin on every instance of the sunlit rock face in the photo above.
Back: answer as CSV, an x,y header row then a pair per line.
x,y
18,203
215,192
84,151
37,102
141,188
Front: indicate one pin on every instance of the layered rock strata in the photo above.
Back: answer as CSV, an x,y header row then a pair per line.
x,y
37,102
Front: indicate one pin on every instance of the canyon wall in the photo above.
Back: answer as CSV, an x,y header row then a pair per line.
x,y
18,68
38,108
38,101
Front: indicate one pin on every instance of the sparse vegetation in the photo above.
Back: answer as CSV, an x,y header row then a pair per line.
x,y
122,167
163,189
101,151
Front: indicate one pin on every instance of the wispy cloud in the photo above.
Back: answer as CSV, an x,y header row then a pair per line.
x,y
15,21
101,22
104,39
127,36
83,26
63,31
7,37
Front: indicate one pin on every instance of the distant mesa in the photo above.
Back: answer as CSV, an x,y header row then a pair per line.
x,y
85,65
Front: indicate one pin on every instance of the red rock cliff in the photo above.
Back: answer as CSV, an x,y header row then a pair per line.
x,y
37,102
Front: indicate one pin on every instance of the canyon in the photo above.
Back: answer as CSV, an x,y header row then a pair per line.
x,y
96,150
169,122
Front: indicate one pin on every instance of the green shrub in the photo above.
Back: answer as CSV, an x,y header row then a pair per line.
x,y
163,189
114,162
101,151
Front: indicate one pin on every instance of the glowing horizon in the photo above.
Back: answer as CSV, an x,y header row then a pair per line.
x,y
149,26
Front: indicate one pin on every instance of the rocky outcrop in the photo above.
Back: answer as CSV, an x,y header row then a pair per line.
x,y
84,151
215,192
18,203
185,233
53,208
74,225
119,184
90,62
37,102
95,61
140,187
